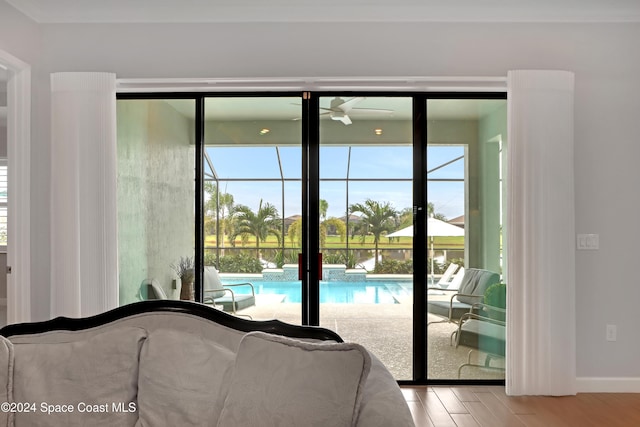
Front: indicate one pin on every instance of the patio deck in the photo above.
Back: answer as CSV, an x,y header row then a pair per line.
x,y
386,330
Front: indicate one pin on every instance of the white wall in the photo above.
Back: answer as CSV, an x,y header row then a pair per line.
x,y
603,56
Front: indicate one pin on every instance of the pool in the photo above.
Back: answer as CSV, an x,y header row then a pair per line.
x,y
368,292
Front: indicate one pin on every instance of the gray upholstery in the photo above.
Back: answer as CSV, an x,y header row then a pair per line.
x,y
474,284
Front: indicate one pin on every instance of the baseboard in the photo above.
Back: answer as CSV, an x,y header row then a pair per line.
x,y
608,385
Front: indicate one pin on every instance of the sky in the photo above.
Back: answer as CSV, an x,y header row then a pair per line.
x,y
367,162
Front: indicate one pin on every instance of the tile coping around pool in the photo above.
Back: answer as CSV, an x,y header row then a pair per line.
x,y
368,276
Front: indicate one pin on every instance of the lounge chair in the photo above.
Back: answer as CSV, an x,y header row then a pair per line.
x,y
483,329
219,295
474,283
445,279
151,289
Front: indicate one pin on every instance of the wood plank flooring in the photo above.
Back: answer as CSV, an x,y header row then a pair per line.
x,y
489,406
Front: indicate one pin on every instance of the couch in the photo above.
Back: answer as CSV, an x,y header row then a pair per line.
x,y
179,363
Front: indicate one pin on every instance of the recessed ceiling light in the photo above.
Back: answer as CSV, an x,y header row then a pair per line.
x,y
377,131
264,131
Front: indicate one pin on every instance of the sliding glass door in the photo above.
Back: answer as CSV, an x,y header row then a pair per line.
x,y
253,201
156,164
466,335
366,224
357,212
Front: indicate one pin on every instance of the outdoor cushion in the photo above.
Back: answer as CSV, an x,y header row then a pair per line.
x,y
441,308
184,379
212,282
476,282
279,381
67,373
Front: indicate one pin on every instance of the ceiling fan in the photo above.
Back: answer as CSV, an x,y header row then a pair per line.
x,y
339,109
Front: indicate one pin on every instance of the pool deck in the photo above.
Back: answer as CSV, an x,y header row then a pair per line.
x,y
384,329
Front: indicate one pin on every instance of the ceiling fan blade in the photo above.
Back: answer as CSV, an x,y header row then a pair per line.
x,y
372,110
346,120
346,106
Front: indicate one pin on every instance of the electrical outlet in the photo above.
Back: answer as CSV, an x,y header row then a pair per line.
x,y
588,241
612,332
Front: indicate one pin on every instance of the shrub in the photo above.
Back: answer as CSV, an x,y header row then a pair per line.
x,y
392,266
240,263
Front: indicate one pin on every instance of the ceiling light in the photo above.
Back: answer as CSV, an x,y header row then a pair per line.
x,y
264,131
377,131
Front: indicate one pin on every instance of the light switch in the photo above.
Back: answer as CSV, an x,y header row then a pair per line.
x,y
588,241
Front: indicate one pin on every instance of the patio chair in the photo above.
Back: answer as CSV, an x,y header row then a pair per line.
x,y
474,283
219,295
151,289
484,330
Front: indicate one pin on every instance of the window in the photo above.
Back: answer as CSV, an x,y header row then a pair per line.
x,y
4,205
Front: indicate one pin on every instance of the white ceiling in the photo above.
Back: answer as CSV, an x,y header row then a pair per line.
x,y
101,11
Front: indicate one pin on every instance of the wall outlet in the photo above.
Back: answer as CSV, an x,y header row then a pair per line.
x,y
612,332
588,242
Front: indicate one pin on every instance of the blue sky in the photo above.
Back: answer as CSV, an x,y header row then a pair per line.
x,y
370,162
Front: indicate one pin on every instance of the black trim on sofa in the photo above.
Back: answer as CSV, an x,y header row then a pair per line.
x,y
186,307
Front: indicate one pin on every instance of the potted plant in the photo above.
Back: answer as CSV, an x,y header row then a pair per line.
x,y
184,270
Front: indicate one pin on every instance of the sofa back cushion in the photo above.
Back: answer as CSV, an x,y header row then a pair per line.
x,y
183,379
279,381
91,381
476,282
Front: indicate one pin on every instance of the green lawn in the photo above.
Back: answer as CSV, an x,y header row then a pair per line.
x,y
355,243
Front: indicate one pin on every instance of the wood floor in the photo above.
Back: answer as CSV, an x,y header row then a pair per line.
x,y
441,406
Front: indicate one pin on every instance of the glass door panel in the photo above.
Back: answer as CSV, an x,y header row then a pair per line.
x,y
252,212
156,196
464,236
366,167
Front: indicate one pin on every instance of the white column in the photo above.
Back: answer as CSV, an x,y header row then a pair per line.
x,y
540,234
84,277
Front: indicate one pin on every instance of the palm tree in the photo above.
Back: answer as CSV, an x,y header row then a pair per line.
x,y
431,212
376,219
259,224
218,209
324,205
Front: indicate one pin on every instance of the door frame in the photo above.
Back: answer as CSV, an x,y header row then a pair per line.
x,y
311,193
19,188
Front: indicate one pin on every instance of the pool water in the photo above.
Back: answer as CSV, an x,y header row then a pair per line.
x,y
369,292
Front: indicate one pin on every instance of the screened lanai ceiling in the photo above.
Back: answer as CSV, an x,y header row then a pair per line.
x,y
375,120
268,108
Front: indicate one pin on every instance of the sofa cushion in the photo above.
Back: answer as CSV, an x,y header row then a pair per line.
x,y
183,380
279,381
67,379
